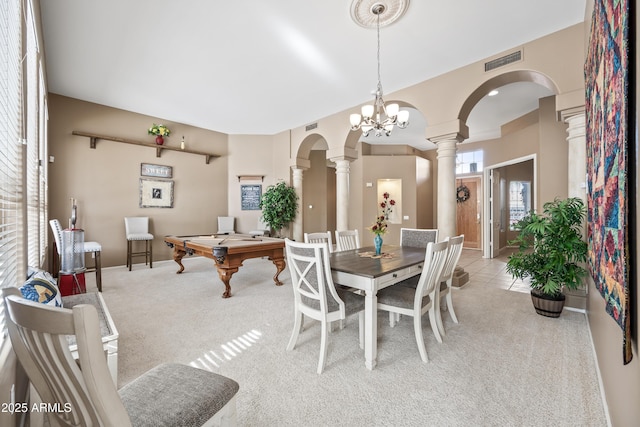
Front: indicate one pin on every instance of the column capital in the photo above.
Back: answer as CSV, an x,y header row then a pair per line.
x,y
570,113
569,103
295,168
303,164
447,148
455,129
343,153
341,159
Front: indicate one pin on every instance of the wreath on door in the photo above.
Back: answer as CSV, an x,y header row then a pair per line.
x,y
462,193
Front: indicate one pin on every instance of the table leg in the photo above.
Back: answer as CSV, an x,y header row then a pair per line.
x,y
225,275
177,257
370,329
280,266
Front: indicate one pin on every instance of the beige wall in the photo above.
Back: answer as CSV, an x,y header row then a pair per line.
x,y
621,382
405,168
105,180
249,155
315,206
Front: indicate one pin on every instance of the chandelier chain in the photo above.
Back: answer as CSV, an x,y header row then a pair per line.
x,y
379,79
379,118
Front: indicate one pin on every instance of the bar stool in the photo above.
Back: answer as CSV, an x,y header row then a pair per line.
x,y
137,229
89,247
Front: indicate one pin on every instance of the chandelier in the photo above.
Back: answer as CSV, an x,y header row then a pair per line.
x,y
379,118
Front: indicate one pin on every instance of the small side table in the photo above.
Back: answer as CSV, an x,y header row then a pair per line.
x,y
107,328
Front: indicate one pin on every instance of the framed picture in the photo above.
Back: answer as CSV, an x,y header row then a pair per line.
x,y
155,193
250,197
159,171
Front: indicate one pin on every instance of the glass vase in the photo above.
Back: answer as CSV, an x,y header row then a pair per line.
x,y
377,240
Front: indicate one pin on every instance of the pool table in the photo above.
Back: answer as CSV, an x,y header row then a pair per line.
x,y
228,252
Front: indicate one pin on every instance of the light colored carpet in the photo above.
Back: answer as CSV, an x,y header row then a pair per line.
x,y
502,365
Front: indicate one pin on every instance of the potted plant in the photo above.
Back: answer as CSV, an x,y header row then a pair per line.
x,y
551,250
379,227
279,206
160,131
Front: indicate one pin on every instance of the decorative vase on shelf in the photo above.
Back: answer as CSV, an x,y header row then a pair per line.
x,y
159,140
377,240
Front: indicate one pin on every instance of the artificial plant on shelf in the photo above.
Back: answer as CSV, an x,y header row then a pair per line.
x,y
160,131
551,253
279,206
380,225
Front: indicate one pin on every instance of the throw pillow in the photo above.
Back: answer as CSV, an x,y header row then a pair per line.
x,y
41,287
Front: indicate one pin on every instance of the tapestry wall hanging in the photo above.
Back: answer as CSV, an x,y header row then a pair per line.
x,y
607,111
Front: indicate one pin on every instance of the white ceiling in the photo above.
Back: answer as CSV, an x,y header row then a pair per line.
x,y
262,67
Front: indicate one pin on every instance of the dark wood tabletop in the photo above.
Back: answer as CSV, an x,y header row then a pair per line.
x,y
401,257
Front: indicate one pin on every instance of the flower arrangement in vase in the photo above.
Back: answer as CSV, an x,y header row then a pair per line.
x,y
380,225
160,131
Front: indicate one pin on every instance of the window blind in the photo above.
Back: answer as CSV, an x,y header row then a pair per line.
x,y
10,145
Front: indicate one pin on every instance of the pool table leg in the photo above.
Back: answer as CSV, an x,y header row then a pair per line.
x,y
280,266
177,257
225,275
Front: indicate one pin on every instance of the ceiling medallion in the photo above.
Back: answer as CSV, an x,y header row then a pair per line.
x,y
362,12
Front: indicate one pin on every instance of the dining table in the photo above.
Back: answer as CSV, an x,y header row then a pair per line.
x,y
361,269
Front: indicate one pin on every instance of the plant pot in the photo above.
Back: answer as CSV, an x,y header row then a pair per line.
x,y
546,305
377,240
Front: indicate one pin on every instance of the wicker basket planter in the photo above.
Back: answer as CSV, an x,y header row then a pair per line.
x,y
547,306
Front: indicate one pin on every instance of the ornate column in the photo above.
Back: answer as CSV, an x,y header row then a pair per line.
x,y
342,193
298,235
577,141
446,215
575,118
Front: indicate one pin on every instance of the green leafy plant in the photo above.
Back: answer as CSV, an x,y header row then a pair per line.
x,y
551,248
160,130
279,206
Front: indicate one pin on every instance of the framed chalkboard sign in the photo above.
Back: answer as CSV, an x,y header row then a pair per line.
x,y
250,197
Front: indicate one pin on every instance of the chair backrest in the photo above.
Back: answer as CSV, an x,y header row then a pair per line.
x,y
347,240
436,255
263,226
38,333
56,227
418,237
136,224
453,255
226,224
314,291
319,237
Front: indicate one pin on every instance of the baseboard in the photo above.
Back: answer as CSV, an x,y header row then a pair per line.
x,y
600,383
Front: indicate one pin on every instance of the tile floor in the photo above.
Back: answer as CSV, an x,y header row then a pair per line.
x,y
491,272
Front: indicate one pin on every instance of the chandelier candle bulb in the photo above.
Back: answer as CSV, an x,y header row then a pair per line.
x,y
392,110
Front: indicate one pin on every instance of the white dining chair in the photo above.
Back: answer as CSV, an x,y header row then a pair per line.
x,y
424,298
446,279
418,237
170,394
316,296
226,225
347,240
262,229
319,237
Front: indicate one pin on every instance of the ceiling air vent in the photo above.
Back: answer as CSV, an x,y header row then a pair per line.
x,y
312,126
503,60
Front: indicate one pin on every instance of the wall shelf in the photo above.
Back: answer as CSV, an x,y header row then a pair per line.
x,y
93,139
